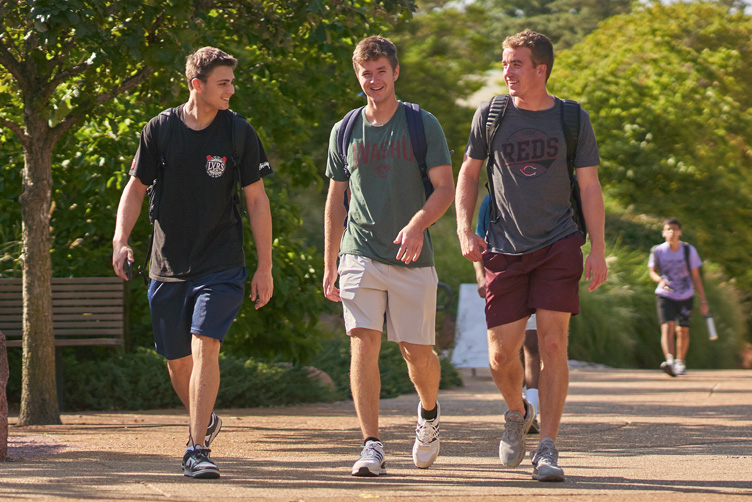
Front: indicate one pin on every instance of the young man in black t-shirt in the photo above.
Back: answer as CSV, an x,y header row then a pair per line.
x,y
197,266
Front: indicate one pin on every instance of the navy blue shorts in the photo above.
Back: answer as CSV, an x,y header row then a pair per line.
x,y
205,306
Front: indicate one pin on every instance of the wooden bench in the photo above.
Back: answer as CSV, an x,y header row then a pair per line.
x,y
85,311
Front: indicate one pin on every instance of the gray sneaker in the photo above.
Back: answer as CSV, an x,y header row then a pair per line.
x,y
512,445
545,458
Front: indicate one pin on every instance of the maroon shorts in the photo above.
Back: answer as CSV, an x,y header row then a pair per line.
x,y
517,285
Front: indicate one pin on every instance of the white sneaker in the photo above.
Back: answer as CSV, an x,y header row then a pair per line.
x,y
371,462
679,367
426,447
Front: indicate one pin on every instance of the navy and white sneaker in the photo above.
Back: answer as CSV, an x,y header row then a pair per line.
x,y
371,462
426,447
198,464
215,424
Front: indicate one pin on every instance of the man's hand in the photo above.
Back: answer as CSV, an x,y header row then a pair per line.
x,y
262,287
596,270
472,245
410,240
121,254
331,292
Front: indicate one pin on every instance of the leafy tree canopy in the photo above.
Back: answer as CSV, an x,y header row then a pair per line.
x,y
669,91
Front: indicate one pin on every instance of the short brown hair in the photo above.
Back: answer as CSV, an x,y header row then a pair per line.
x,y
540,46
374,48
201,63
671,221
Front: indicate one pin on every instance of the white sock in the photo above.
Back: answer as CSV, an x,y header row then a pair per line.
x,y
532,398
670,358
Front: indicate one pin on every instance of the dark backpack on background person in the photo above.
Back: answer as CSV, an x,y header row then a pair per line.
x,y
570,124
417,140
167,120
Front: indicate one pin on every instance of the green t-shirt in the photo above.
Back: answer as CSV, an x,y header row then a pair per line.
x,y
385,183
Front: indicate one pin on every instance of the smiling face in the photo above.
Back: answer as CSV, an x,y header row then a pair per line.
x,y
218,88
377,79
521,76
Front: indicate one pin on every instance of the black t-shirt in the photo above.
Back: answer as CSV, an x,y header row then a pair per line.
x,y
198,229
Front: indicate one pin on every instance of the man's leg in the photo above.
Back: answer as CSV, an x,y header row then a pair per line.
x,y
553,330
425,372
667,339
365,379
682,342
504,344
204,385
180,375
531,357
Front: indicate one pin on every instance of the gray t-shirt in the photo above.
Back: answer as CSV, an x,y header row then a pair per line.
x,y
386,184
530,178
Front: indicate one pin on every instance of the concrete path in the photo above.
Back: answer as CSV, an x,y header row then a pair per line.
x,y
626,435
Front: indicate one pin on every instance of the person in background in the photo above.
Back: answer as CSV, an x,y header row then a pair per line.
x,y
675,266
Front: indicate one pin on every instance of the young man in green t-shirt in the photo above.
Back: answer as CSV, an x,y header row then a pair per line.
x,y
385,253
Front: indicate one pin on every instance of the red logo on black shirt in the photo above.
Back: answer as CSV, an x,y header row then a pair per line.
x,y
215,166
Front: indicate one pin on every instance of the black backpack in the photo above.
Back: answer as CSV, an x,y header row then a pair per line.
x,y
167,119
570,124
417,140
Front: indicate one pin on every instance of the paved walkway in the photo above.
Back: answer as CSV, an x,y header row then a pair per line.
x,y
626,435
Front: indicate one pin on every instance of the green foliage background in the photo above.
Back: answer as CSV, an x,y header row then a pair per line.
x,y
667,89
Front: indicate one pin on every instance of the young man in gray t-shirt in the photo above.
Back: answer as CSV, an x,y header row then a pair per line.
x,y
531,254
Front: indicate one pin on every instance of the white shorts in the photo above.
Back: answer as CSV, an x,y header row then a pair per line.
x,y
371,291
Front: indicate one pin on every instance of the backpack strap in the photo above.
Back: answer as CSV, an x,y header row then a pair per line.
x,y
164,134
686,247
343,136
418,142
570,124
496,112
238,149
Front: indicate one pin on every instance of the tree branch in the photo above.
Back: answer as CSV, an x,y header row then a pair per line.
x,y
9,62
82,110
15,128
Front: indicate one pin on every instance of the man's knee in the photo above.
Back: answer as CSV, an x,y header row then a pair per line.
x,y
418,356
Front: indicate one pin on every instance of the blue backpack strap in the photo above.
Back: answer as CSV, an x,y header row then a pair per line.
x,y
418,142
343,136
343,142
570,123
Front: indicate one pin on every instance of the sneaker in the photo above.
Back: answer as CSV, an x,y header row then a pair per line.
x,y
426,447
668,368
534,427
215,423
371,462
545,458
199,465
679,367
512,445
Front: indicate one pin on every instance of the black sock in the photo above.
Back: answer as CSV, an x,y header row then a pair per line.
x,y
370,439
429,414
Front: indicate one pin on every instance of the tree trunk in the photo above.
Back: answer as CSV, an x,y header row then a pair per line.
x,y
39,404
4,374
